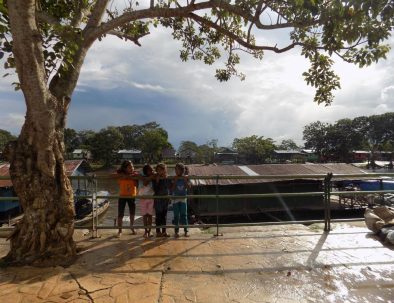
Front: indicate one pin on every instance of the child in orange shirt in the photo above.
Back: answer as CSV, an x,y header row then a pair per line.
x,y
127,192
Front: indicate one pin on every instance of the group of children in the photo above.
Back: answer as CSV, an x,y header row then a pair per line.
x,y
153,183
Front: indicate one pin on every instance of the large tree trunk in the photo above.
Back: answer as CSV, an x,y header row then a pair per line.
x,y
45,234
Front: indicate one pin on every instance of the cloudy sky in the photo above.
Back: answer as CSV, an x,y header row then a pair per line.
x,y
122,84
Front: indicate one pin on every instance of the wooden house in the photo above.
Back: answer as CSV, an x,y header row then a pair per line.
x,y
168,154
134,155
188,156
81,154
289,156
226,156
8,208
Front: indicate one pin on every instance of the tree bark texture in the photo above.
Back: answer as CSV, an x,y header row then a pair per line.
x,y
45,234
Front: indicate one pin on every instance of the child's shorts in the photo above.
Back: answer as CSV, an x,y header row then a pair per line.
x,y
146,207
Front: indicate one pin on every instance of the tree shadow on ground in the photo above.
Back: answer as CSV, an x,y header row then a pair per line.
x,y
136,255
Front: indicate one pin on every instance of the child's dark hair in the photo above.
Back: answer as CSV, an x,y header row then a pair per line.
x,y
161,165
181,167
146,168
123,166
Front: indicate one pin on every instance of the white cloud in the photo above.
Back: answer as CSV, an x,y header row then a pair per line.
x,y
387,94
12,122
273,101
148,86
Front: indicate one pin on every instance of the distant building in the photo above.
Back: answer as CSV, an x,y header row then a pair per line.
x,y
289,156
311,155
366,156
383,155
7,208
81,154
226,155
134,155
360,155
75,168
187,156
168,154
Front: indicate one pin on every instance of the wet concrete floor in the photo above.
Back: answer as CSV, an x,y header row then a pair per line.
x,y
289,263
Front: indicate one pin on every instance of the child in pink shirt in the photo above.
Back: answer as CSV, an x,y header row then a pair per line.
x,y
146,204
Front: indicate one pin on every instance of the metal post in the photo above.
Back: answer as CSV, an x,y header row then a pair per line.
x,y
217,207
93,226
94,229
329,177
325,204
96,204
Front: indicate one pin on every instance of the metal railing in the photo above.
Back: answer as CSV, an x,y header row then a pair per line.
x,y
326,193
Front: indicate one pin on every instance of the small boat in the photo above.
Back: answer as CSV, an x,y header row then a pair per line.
x,y
84,210
370,185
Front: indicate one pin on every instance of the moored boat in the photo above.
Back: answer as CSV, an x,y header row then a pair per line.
x,y
84,210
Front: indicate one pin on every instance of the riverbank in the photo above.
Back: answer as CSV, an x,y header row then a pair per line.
x,y
292,263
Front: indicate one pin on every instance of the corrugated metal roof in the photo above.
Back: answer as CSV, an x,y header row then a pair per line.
x,y
290,152
267,169
305,169
129,151
79,151
214,170
4,172
72,165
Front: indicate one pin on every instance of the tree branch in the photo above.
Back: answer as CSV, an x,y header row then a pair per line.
x,y
27,49
127,37
44,17
151,13
92,34
64,85
238,39
97,14
80,12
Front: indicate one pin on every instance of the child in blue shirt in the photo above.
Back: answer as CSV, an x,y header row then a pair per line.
x,y
179,187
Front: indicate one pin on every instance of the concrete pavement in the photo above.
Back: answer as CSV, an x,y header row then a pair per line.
x,y
289,263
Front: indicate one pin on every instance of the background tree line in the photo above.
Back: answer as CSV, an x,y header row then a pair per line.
x,y
332,142
335,142
5,137
149,138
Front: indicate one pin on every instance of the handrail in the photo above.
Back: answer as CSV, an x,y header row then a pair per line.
x,y
227,177
223,177
325,193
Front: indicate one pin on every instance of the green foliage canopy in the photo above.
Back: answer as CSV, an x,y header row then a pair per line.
x,y
254,149
105,143
354,30
288,144
337,141
5,137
